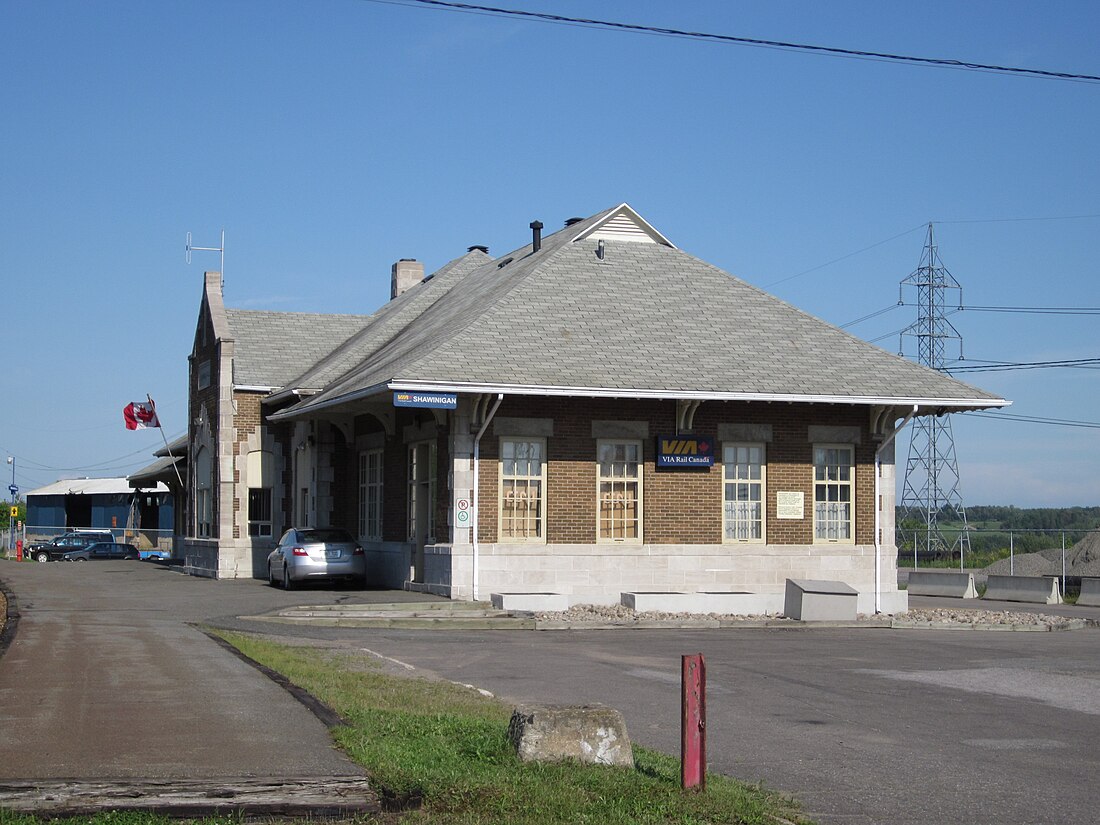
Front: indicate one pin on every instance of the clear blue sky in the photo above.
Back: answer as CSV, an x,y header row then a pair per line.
x,y
330,138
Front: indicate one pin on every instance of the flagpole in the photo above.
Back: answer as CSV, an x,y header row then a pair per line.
x,y
166,447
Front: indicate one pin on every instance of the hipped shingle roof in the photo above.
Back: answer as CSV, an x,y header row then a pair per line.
x,y
644,319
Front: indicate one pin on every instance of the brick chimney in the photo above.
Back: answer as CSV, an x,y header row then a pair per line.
x,y
404,275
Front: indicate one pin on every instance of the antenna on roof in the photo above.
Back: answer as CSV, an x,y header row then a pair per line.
x,y
219,249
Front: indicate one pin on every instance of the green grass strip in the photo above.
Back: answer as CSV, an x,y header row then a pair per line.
x,y
446,747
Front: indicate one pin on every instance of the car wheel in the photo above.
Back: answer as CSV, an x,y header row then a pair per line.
x,y
287,583
79,560
42,557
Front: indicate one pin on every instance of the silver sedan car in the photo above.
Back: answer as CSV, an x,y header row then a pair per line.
x,y
316,553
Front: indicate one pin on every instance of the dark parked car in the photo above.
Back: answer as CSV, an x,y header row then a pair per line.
x,y
55,548
313,553
103,551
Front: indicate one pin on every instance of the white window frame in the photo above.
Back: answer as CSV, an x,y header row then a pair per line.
x,y
522,482
622,482
736,516
370,494
828,476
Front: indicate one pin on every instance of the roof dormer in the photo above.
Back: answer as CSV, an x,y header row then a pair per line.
x,y
623,224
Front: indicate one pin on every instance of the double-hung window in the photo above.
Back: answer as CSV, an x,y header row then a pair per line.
x,y
370,495
743,480
522,489
619,491
834,487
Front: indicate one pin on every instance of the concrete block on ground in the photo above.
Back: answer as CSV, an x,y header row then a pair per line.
x,y
819,601
533,602
726,603
1032,589
956,585
891,602
1090,592
594,734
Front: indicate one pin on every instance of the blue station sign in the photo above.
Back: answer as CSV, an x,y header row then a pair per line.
x,y
426,400
684,451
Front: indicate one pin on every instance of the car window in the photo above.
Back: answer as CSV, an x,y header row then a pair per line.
x,y
324,534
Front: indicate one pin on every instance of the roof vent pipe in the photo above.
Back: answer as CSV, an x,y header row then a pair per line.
x,y
536,236
478,248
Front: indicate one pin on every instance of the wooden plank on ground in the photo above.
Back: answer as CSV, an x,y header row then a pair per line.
x,y
316,797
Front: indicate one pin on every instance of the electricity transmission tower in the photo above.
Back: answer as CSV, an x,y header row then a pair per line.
x,y
931,489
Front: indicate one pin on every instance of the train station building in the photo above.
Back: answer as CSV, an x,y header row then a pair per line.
x,y
594,413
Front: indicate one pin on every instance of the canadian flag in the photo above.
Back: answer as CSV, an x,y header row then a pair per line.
x,y
139,415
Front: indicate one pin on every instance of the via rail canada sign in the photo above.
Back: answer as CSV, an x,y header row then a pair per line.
x,y
684,451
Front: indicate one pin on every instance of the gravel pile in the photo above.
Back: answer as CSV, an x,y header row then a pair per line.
x,y
619,614
983,617
1082,559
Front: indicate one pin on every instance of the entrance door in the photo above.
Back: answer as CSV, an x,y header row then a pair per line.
x,y
421,472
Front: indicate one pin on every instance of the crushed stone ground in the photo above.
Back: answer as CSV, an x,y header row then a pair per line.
x,y
620,614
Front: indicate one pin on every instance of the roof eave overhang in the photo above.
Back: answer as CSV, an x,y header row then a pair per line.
x,y
336,400
924,402
289,393
926,405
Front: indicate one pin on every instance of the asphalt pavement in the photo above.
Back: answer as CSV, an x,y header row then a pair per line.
x,y
107,676
107,679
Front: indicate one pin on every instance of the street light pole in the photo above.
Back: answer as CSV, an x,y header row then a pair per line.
x,y
13,489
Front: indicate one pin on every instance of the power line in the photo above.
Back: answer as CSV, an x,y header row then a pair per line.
x,y
102,465
1010,309
752,41
1034,419
993,366
1022,220
844,257
1036,310
871,315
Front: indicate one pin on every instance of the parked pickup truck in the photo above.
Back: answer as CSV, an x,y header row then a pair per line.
x,y
55,548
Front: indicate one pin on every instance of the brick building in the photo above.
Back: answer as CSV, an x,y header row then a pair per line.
x,y
594,413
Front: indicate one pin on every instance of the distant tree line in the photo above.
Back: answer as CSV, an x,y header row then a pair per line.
x,y
1036,518
1033,528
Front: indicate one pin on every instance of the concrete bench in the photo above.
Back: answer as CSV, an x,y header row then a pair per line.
x,y
726,603
1033,589
532,602
819,601
1090,592
956,585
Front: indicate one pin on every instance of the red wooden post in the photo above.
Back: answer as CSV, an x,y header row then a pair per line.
x,y
693,722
